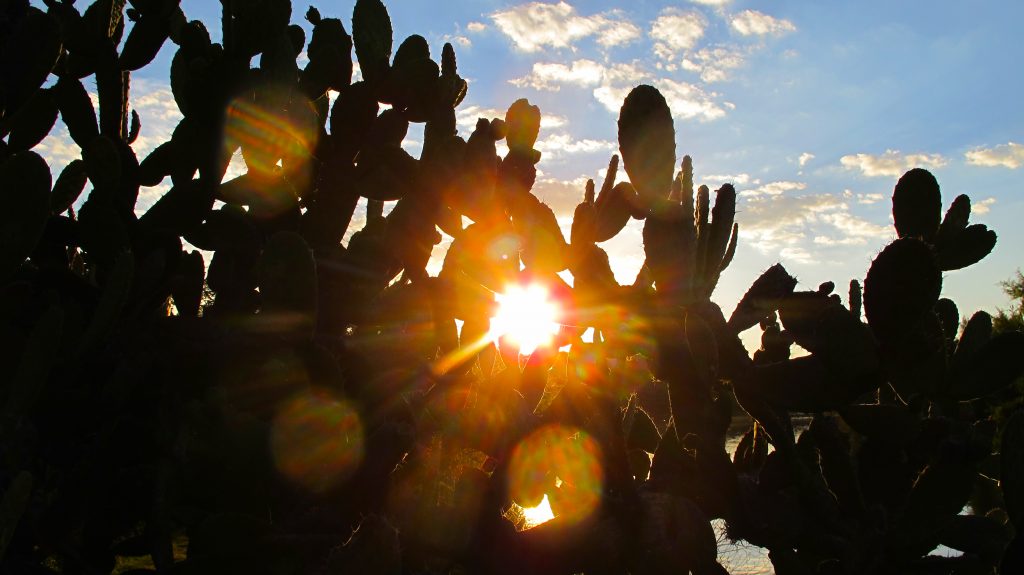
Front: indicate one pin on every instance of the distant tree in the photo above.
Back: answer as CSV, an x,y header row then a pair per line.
x,y
1011,319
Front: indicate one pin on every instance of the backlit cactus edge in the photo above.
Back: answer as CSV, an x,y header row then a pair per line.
x,y
129,428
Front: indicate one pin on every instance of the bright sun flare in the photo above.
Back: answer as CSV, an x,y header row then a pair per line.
x,y
542,513
526,317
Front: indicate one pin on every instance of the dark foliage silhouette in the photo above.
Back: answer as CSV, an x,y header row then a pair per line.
x,y
277,402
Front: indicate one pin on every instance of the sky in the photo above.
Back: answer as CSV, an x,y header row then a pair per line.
x,y
812,110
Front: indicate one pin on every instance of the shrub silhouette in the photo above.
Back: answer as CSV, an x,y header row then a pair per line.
x,y
309,407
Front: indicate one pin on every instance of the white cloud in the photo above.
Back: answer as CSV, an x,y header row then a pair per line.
x,y
791,225
159,116
869,199
675,31
476,27
58,149
854,230
158,112
535,26
556,145
459,39
754,23
715,63
562,195
774,188
716,180
983,207
549,75
892,163
614,81
686,101
804,158
711,2
1008,155
466,117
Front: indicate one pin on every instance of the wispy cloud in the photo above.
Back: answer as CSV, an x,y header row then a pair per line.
x,y
804,158
774,188
476,27
715,63
466,117
676,31
1008,155
863,199
613,82
556,145
796,225
716,180
550,75
458,39
892,163
754,23
159,115
983,207
687,101
562,195
535,26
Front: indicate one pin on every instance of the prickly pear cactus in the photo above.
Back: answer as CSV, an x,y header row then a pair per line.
x,y
222,382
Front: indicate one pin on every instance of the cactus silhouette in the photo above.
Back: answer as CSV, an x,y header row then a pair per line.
x,y
221,384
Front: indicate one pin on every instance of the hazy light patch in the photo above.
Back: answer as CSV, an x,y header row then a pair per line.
x,y
892,163
1009,155
537,25
754,23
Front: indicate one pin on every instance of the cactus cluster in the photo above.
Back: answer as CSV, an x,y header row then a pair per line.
x,y
220,384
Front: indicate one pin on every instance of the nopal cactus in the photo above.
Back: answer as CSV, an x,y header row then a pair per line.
x,y
180,403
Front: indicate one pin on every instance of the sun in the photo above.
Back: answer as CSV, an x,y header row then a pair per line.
x,y
526,316
542,513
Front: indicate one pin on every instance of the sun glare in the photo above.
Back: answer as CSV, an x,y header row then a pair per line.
x,y
542,513
526,317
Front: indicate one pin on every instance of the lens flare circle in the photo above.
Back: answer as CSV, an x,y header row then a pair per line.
x,y
526,316
317,440
271,126
553,459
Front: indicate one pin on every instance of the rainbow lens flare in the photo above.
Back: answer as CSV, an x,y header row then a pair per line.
x,y
556,463
317,440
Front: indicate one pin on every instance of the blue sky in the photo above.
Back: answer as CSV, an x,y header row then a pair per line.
x,y
812,110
